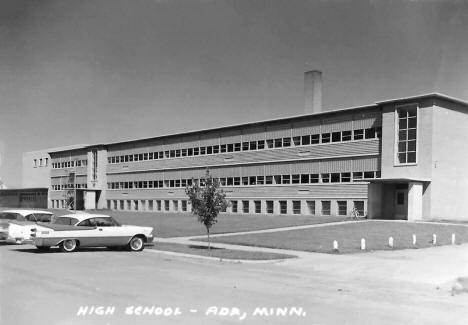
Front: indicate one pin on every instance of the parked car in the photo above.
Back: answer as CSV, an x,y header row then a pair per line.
x,y
73,231
16,226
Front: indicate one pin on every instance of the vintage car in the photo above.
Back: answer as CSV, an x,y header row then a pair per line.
x,y
72,231
16,226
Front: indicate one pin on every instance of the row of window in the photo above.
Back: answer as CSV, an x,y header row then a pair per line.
x,y
41,162
305,140
68,186
70,164
244,206
346,177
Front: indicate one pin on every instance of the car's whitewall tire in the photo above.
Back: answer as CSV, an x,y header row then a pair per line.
x,y
68,245
136,244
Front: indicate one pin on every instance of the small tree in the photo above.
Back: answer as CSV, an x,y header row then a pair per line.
x,y
207,200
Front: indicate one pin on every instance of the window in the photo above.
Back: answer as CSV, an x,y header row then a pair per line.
x,y
296,207
359,206
336,136
358,134
258,206
357,176
314,178
305,140
286,179
296,179
237,146
406,127
342,208
245,146
335,177
326,208
245,181
325,137
346,136
315,138
234,206
261,144
268,180
286,142
369,174
325,178
297,141
245,206
269,207
223,148
166,205
260,180
35,163
278,143
311,207
252,180
253,145
283,207
345,177
370,133
269,143
305,179
175,205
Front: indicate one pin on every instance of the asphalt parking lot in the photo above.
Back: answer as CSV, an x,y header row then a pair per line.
x,y
139,288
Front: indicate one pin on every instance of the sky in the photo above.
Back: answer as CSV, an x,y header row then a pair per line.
x,y
77,71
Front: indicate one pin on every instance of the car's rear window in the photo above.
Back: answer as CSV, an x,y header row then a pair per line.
x,y
65,221
43,217
9,216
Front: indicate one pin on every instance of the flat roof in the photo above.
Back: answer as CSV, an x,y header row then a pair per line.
x,y
398,180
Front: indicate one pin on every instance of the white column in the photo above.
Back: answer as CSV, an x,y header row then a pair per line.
x,y
415,191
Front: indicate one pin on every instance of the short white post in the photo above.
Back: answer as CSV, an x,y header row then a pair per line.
x,y
414,239
434,239
335,245
390,242
453,239
363,244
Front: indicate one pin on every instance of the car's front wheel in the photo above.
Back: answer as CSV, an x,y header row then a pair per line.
x,y
136,244
68,245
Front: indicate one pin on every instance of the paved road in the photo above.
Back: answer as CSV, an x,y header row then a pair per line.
x,y
49,288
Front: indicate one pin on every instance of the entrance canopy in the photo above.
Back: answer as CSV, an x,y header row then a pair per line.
x,y
396,198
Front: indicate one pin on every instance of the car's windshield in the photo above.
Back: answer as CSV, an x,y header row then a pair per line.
x,y
65,221
10,216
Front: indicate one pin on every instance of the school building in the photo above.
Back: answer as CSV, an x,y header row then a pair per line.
x,y
395,159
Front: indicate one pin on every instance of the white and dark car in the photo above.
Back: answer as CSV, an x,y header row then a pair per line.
x,y
16,226
72,231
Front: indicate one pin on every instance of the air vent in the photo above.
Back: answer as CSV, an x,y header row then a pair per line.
x,y
303,153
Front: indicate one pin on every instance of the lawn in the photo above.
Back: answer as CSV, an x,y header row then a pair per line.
x,y
222,253
349,236
186,224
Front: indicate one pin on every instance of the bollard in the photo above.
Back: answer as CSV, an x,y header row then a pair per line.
x,y
453,239
363,244
335,245
390,242
434,239
414,239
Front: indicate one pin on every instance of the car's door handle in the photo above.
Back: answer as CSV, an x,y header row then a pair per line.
x,y
100,229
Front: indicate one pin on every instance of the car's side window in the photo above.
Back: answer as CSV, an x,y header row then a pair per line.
x,y
104,222
42,217
30,217
86,223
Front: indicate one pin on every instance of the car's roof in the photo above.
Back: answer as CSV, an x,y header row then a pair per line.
x,y
25,212
84,216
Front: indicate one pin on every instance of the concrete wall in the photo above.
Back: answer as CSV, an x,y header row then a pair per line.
x,y
422,168
449,187
35,174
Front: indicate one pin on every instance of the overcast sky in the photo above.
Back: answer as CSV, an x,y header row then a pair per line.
x,y
99,71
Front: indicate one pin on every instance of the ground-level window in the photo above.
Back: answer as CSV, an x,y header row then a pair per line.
x,y
135,202
122,204
326,208
311,207
359,206
245,206
158,205
108,204
184,205
269,207
296,207
150,205
175,204
342,208
166,205
234,206
258,206
129,204
283,207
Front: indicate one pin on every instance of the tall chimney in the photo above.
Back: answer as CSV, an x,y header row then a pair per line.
x,y
313,91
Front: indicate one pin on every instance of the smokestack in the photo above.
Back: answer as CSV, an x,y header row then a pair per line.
x,y
313,91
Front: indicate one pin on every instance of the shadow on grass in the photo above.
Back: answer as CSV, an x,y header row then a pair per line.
x,y
203,247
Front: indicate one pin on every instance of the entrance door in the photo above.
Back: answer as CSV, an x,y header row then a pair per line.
x,y
401,204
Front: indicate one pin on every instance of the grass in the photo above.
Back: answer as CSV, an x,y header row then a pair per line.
x,y
186,224
217,252
349,237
